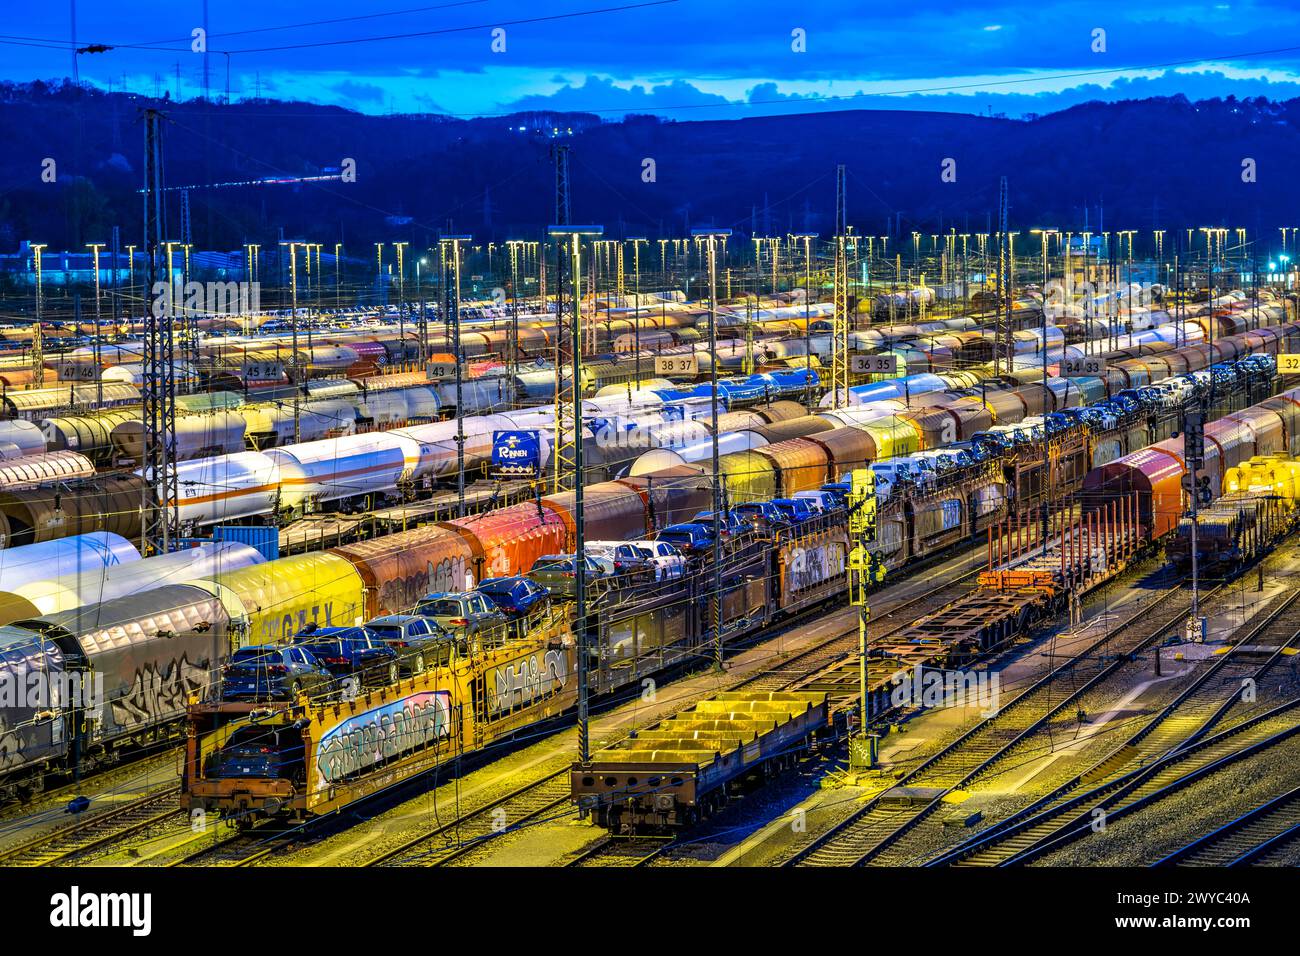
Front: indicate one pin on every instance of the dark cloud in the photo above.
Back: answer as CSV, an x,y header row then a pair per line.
x,y
682,100
675,52
355,91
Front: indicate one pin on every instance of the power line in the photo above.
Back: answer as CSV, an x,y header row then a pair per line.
x,y
523,21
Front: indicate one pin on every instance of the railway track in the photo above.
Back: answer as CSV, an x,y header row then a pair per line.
x,y
620,852
95,830
798,668
144,764
550,794
869,831
239,849
1199,708
1134,791
1253,837
469,831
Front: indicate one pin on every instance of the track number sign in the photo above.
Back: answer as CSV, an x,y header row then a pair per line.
x,y
1088,365
677,365
873,364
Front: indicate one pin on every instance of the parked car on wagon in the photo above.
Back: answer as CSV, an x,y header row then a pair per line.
x,y
352,652
665,559
419,642
762,515
558,573
691,539
519,598
273,672
464,615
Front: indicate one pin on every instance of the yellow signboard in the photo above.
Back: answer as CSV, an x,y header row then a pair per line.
x,y
1288,363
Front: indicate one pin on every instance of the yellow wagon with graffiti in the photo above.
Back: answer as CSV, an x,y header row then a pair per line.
x,y
246,761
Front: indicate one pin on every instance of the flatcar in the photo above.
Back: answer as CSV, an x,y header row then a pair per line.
x,y
686,768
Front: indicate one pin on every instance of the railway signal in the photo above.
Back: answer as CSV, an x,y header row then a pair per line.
x,y
865,570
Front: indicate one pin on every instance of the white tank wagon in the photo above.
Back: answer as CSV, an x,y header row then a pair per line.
x,y
479,395
132,373
384,409
18,438
422,403
78,554
336,468
660,458
110,353
228,488
197,436
270,424
70,591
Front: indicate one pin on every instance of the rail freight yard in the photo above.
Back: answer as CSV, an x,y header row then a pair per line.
x,y
819,566
557,490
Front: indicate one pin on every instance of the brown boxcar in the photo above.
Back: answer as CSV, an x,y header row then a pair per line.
x,y
1155,474
799,464
508,541
781,411
672,495
846,448
610,512
399,569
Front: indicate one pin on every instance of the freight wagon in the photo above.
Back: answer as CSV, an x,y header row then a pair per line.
x,y
762,581
1231,533
687,767
110,677
488,694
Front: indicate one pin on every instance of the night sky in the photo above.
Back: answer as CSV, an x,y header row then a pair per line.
x,y
687,59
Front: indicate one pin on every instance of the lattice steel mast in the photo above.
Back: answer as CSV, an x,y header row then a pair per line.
x,y
159,392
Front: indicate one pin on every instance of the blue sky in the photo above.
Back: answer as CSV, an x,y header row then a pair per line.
x,y
687,59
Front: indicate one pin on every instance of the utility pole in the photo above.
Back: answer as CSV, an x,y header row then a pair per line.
x,y
636,286
38,333
807,239
567,434
512,246
296,369
159,391
841,319
453,311
1194,455
1004,282
570,244
711,237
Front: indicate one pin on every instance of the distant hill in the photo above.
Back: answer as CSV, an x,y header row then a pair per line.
x,y
1165,161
